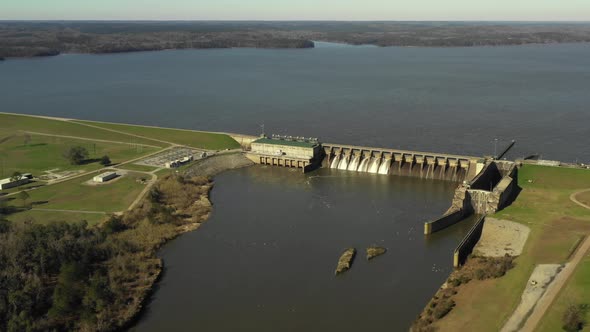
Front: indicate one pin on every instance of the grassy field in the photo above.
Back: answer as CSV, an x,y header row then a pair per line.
x,y
196,139
37,153
76,195
11,124
576,292
556,225
45,217
584,197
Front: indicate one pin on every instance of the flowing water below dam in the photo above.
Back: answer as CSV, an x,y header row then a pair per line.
x,y
265,260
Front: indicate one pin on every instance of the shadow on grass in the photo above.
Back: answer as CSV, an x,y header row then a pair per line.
x,y
89,161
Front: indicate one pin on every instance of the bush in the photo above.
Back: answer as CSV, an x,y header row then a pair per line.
x,y
443,308
113,225
105,160
76,155
573,318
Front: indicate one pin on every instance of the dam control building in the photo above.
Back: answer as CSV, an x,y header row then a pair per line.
x,y
287,151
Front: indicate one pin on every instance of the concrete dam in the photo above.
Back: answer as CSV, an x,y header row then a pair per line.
x,y
485,185
425,165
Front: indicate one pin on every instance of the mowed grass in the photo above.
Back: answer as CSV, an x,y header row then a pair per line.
x,y
39,153
556,225
47,217
11,124
196,139
576,292
75,195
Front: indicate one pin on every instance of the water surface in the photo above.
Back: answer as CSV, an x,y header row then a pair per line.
x,y
265,260
454,100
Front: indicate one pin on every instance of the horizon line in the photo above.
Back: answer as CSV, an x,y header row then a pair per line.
x,y
290,20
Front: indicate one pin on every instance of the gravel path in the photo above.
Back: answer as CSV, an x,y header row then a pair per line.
x,y
537,285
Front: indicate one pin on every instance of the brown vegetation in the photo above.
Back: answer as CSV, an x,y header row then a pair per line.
x,y
476,268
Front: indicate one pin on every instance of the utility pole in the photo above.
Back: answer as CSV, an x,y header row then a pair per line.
x,y
495,148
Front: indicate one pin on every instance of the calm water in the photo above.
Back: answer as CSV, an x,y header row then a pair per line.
x,y
265,260
442,99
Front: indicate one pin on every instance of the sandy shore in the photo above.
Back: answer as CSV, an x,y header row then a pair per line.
x,y
500,237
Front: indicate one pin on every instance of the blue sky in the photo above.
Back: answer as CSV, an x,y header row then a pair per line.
x,y
527,10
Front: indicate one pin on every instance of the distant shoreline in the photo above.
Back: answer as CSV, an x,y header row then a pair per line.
x,y
20,39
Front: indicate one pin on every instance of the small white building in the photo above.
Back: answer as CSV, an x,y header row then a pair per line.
x,y
178,162
104,177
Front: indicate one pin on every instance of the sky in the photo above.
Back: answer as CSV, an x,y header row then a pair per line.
x,y
443,10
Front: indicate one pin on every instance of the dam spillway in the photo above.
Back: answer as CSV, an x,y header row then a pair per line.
x,y
433,166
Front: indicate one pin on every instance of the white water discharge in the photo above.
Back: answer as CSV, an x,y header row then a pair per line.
x,y
354,165
335,162
343,165
374,168
384,168
364,166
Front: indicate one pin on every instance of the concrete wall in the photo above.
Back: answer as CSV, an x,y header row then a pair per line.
x,y
487,178
469,241
484,201
286,150
443,222
425,165
12,184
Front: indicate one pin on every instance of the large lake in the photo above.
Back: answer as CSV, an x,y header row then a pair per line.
x,y
455,100
265,259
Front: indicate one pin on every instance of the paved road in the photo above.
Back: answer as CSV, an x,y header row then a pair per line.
x,y
71,211
560,280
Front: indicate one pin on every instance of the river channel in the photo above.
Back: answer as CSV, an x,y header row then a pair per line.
x,y
265,260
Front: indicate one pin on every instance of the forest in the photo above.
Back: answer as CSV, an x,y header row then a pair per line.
x,y
30,39
69,276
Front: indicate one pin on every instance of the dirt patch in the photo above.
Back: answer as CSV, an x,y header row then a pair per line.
x,y
536,286
217,164
501,237
54,175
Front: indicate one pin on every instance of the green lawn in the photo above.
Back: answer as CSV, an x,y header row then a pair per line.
x,y
556,226
51,216
196,139
11,124
576,292
75,195
37,153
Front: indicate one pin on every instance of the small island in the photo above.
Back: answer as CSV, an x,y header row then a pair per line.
x,y
375,251
345,261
